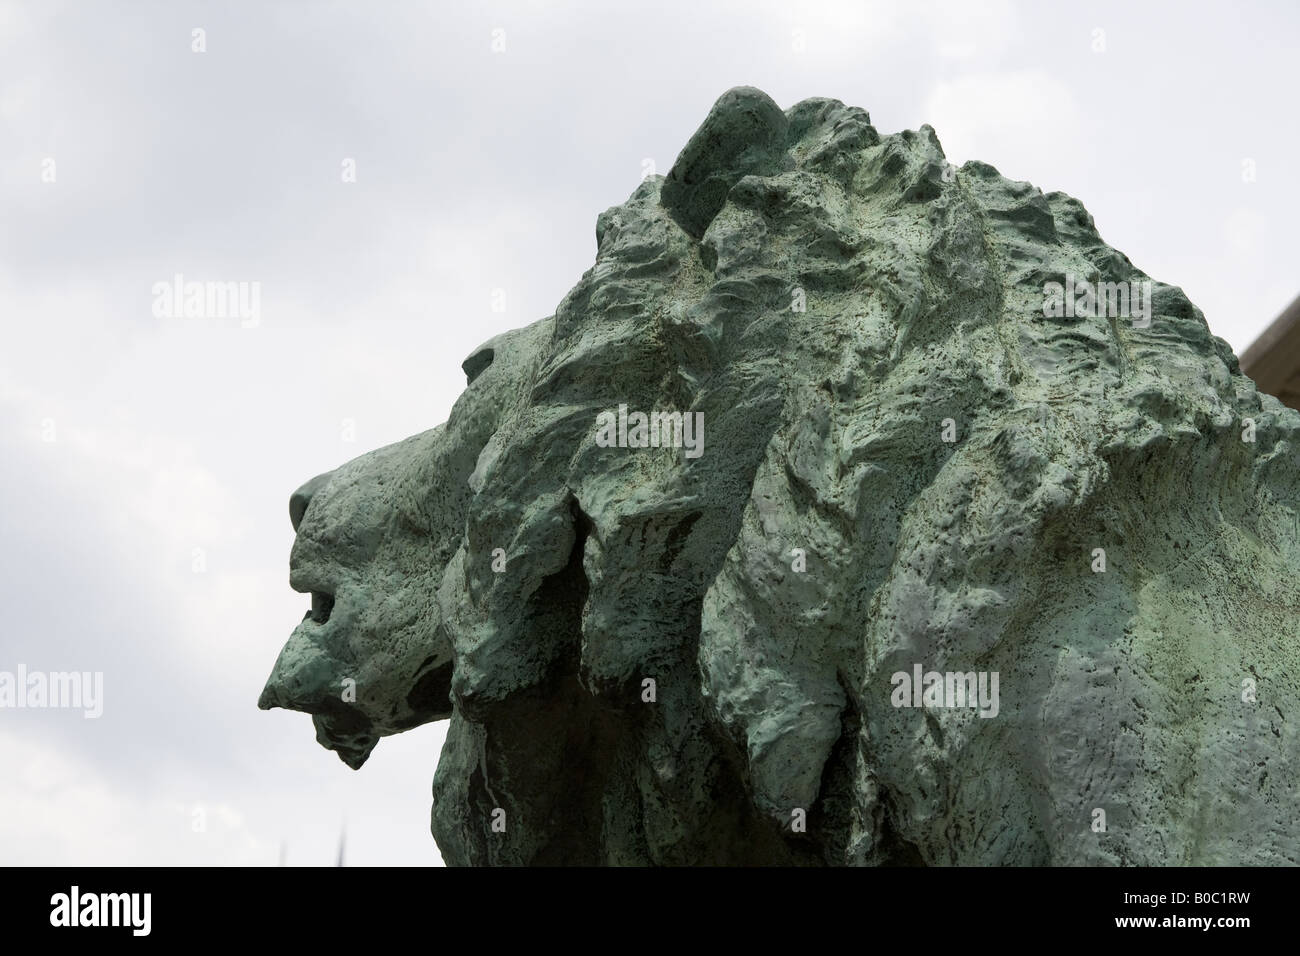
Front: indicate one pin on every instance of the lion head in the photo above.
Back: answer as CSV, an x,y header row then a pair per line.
x,y
905,463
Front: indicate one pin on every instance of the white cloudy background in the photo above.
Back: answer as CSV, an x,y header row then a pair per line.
x,y
476,170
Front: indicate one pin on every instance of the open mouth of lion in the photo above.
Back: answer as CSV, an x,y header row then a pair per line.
x,y
340,726
322,606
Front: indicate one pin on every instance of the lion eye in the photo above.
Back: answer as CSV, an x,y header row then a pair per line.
x,y
477,363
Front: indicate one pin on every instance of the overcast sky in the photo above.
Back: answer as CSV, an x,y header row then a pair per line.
x,y
128,441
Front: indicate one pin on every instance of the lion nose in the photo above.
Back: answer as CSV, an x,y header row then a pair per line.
x,y
300,499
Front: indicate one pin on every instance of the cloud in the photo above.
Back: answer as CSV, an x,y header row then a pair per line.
x,y
1021,121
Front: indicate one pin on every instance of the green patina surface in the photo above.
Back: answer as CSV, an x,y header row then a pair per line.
x,y
835,303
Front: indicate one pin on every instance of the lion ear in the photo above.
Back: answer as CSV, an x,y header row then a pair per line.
x,y
744,134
